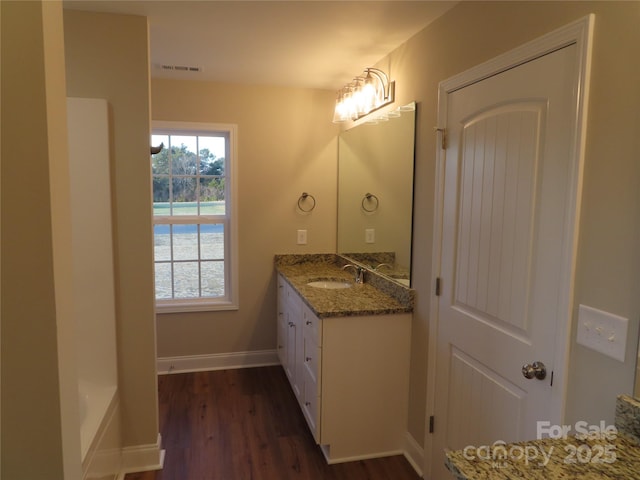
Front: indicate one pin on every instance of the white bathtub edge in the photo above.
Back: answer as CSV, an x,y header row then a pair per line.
x,y
109,459
101,402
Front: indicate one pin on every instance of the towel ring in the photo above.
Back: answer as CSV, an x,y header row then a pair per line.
x,y
302,198
368,198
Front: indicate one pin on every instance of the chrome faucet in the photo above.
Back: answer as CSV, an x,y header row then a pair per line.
x,y
358,271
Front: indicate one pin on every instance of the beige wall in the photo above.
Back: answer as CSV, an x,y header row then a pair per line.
x,y
608,274
286,145
40,428
107,57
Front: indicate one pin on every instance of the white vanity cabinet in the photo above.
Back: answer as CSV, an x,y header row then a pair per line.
x,y
350,374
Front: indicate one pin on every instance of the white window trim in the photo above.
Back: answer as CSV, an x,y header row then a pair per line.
x,y
232,300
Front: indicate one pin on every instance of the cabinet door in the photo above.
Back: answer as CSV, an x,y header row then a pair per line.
x,y
294,341
282,322
312,345
311,404
290,348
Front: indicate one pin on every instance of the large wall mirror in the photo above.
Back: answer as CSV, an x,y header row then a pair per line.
x,y
375,193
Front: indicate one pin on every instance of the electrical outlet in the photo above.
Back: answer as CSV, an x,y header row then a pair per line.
x,y
370,235
601,331
302,237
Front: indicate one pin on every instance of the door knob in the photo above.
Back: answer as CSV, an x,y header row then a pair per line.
x,y
535,369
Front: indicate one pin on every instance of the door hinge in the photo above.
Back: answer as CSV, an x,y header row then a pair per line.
x,y
431,422
443,137
437,286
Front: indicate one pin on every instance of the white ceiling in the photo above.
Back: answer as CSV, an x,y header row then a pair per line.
x,y
317,44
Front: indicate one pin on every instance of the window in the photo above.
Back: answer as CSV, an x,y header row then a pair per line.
x,y
194,220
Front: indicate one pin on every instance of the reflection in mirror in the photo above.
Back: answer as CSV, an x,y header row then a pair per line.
x,y
375,193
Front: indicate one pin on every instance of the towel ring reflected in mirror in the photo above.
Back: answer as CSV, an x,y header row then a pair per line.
x,y
303,198
370,198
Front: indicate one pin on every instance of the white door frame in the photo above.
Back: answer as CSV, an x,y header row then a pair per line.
x,y
579,33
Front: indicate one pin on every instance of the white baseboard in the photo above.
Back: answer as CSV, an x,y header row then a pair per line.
x,y
411,450
142,458
217,361
354,458
414,453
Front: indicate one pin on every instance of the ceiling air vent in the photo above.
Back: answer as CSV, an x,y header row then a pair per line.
x,y
180,68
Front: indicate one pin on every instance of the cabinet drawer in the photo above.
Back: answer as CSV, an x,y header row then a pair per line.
x,y
288,299
312,326
282,338
293,301
312,363
311,406
282,295
290,293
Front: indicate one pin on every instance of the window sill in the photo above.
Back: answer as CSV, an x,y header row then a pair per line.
x,y
177,306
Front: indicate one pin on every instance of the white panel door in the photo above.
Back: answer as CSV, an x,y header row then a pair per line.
x,y
506,205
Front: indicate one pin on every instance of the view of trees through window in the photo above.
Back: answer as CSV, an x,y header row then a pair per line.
x,y
189,188
188,173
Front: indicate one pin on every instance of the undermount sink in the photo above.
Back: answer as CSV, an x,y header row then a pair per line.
x,y
330,284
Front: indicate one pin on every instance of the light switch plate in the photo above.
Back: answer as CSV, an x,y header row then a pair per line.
x,y
370,235
602,331
302,237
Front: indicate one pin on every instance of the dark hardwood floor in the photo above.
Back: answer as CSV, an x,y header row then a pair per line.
x,y
245,424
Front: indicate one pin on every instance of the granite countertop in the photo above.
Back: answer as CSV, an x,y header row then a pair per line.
x,y
376,296
569,458
602,456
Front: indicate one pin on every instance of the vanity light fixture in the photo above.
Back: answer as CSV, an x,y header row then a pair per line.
x,y
365,94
